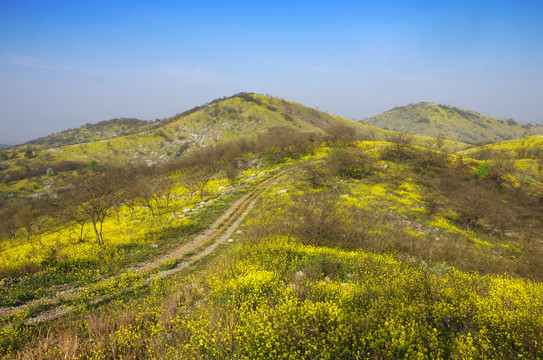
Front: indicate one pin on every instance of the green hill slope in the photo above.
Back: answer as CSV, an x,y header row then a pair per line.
x,y
102,130
451,123
222,120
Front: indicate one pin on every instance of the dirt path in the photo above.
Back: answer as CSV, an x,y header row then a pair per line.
x,y
202,245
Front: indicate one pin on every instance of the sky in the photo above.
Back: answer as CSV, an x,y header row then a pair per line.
x,y
67,63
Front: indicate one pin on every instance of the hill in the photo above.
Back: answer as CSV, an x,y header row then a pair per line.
x,y
4,146
102,130
451,123
221,120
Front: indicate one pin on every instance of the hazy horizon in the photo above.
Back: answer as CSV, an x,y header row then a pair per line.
x,y
64,64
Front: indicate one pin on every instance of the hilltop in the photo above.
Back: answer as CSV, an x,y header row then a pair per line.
x,y
451,123
221,120
135,141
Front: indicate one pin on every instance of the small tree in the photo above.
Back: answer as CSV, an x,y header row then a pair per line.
x,y
196,178
29,154
399,149
198,169
95,194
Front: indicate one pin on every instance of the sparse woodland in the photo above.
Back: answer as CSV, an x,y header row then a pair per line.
x,y
356,244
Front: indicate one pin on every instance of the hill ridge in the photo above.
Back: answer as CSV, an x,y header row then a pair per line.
x,y
452,123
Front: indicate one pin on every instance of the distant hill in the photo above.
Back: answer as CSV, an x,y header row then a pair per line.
x,y
4,146
451,123
102,130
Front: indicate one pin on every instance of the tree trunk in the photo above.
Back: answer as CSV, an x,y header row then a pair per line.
x,y
101,226
98,239
81,237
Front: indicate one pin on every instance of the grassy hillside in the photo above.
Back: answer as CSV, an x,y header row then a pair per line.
x,y
220,121
451,123
530,147
326,249
102,130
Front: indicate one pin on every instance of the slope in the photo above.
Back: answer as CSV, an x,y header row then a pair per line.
x,y
451,123
221,120
102,130
530,147
361,250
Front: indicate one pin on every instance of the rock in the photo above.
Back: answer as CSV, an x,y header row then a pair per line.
x,y
284,191
154,245
239,232
187,210
230,240
300,275
383,166
6,282
222,188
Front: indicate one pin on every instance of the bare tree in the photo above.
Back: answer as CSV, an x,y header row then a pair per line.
x,y
196,178
95,194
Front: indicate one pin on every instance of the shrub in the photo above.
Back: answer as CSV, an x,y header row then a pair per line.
x,y
352,162
482,171
318,219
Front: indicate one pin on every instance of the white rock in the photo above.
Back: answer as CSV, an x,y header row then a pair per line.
x,y
154,245
300,275
230,240
284,191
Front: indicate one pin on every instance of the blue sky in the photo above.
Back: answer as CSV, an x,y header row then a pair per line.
x,y
66,63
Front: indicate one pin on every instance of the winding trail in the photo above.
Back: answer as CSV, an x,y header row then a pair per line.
x,y
202,245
